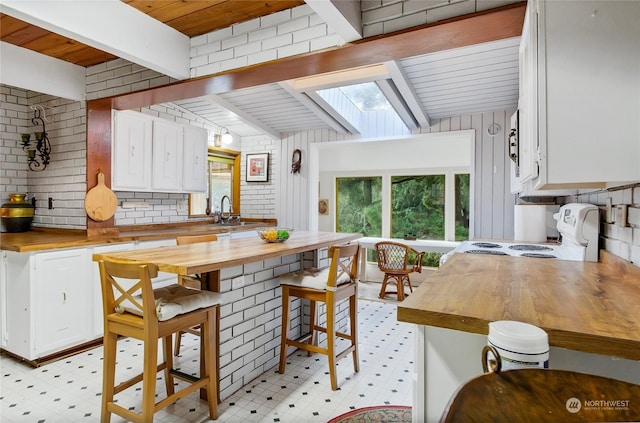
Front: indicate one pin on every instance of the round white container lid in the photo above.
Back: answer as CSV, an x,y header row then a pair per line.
x,y
518,336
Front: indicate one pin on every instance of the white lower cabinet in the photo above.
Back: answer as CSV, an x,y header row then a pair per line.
x,y
46,302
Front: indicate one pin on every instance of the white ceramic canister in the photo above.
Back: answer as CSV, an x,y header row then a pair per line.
x,y
520,345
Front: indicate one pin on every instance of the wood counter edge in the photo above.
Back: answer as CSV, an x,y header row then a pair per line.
x,y
80,238
595,344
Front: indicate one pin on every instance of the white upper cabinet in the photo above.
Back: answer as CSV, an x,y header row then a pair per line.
x,y
167,156
156,155
580,98
131,151
194,170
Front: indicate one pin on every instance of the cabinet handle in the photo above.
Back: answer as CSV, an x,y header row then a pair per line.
x,y
168,156
133,150
196,161
64,297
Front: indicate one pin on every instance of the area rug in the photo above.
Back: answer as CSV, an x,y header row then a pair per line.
x,y
382,414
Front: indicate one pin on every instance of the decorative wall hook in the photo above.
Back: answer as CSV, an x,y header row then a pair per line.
x,y
296,161
43,147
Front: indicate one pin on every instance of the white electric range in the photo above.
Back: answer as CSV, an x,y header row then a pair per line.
x,y
578,225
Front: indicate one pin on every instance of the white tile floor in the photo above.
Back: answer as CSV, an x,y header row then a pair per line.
x,y
69,390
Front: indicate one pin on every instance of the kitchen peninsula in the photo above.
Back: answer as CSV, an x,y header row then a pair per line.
x,y
588,310
55,300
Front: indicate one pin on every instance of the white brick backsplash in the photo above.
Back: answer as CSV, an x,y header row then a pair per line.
x,y
238,62
633,215
619,240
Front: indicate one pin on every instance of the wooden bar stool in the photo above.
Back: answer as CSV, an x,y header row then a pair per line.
x,y
133,309
331,285
198,281
397,261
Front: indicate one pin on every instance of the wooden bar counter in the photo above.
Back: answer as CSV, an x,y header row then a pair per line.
x,y
212,256
583,306
589,311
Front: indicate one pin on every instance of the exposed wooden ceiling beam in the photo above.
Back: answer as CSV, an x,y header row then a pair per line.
x,y
490,25
113,27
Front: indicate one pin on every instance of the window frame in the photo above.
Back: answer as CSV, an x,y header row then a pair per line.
x,y
235,189
449,196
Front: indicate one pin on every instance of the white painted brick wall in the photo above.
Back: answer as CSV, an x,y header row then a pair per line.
x,y
387,16
14,109
621,240
278,35
64,178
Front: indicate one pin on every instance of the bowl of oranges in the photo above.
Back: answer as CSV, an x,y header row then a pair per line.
x,y
274,234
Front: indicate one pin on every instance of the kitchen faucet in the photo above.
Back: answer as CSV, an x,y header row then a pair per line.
x,y
222,218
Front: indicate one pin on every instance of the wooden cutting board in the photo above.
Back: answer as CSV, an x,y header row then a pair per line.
x,y
100,202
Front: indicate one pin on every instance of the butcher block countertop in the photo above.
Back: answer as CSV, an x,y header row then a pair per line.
x,y
583,306
39,239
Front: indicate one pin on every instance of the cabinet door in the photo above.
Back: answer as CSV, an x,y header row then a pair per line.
x,y
528,100
167,156
590,58
62,290
131,154
194,164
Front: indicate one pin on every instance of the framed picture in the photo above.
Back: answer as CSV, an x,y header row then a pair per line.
x,y
258,167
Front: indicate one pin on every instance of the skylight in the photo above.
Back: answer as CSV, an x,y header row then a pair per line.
x,y
364,101
366,97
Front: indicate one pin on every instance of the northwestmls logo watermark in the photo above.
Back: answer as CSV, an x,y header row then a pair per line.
x,y
574,405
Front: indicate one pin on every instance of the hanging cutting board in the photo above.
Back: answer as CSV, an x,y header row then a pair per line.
x,y
100,202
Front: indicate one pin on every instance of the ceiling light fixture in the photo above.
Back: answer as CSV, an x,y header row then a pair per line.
x,y
227,138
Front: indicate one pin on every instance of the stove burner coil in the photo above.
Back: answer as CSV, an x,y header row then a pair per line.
x,y
530,247
537,255
491,252
485,245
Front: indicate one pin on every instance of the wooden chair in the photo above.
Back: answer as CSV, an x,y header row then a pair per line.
x,y
133,309
542,395
397,261
192,281
331,285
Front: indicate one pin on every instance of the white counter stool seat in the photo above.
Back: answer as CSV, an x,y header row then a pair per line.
x,y
133,309
198,281
397,261
336,283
